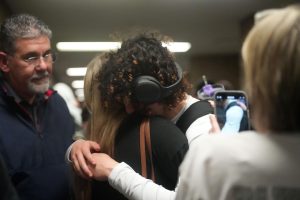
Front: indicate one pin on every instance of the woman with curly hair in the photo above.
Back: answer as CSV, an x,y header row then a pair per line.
x,y
116,116
142,61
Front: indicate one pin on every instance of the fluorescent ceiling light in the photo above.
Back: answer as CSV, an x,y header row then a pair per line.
x,y
87,46
76,71
177,46
107,46
77,84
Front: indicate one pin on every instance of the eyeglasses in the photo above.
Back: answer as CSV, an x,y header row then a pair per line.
x,y
35,60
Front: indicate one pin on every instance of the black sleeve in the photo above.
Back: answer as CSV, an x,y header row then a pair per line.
x,y
169,146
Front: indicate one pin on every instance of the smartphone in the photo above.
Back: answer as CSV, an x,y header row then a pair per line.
x,y
232,111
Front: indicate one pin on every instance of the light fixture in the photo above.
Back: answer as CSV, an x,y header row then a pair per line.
x,y
77,84
76,71
177,46
87,46
107,46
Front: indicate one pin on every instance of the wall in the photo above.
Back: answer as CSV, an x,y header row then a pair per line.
x,y
220,67
4,11
215,68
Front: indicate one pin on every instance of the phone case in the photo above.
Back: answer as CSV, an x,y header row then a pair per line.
x,y
232,111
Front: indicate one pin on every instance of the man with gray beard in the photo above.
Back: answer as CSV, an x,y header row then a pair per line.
x,y
35,125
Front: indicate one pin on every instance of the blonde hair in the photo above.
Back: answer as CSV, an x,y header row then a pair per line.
x,y
271,54
104,122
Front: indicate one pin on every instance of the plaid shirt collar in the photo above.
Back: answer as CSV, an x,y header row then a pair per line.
x,y
9,91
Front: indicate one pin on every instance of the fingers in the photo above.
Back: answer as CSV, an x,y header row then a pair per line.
x,y
215,128
89,149
78,170
83,166
81,157
77,166
104,166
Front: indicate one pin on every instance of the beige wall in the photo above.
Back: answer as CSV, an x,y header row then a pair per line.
x,y
220,67
215,68
4,11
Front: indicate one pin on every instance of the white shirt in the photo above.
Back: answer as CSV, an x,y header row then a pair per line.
x,y
200,126
242,166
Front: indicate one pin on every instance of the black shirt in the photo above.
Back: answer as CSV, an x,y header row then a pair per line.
x,y
169,146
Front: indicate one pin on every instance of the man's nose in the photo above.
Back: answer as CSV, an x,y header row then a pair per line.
x,y
42,65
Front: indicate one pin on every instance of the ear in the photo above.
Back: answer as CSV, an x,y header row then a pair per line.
x,y
3,62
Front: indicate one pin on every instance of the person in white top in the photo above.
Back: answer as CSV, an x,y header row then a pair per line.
x,y
233,116
261,164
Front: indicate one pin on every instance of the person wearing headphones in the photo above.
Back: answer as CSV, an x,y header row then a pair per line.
x,y
116,116
143,75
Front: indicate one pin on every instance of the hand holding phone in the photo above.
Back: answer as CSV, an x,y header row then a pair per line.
x,y
231,110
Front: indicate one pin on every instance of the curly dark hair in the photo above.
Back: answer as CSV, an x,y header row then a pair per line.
x,y
143,54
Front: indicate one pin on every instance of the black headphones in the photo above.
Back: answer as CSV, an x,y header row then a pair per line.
x,y
147,89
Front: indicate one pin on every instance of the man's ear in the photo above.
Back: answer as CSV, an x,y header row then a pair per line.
x,y
3,62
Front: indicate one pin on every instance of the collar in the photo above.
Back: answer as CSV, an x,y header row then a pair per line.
x,y
9,91
187,103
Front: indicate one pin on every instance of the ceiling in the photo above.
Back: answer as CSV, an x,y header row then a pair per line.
x,y
211,26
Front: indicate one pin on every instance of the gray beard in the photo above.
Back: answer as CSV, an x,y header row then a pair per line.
x,y
39,88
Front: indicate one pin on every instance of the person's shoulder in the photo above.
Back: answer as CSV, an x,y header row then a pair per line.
x,y
163,130
158,120
225,140
221,146
165,126
53,98
53,95
247,148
